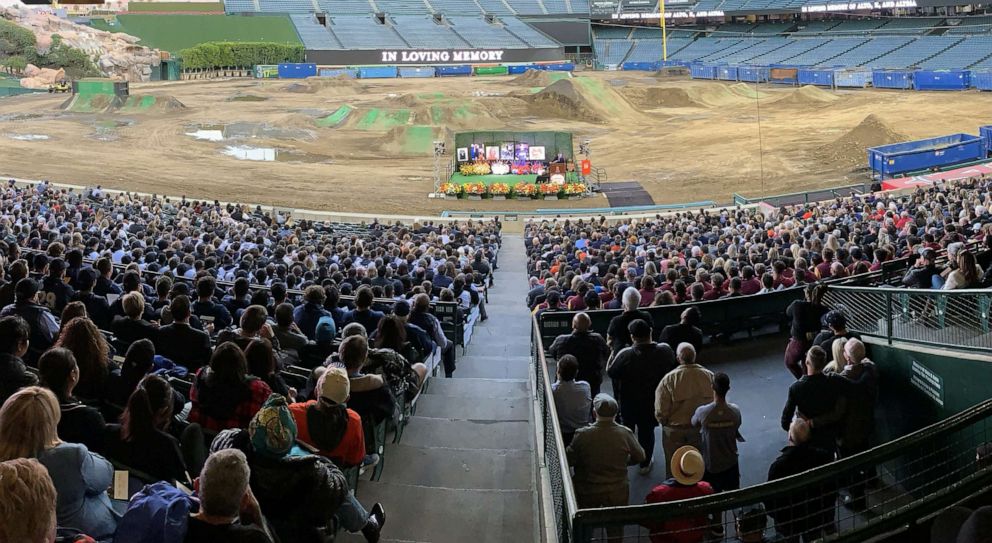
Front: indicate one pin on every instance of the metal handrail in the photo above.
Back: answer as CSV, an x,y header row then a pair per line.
x,y
549,415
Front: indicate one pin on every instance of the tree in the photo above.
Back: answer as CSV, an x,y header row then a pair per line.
x,y
16,64
212,55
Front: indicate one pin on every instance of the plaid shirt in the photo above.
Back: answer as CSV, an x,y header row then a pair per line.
x,y
241,415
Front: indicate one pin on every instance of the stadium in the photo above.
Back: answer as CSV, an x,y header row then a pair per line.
x,y
560,271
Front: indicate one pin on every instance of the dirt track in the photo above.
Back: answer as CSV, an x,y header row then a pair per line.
x,y
683,140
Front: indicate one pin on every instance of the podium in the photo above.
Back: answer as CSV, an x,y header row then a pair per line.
x,y
557,168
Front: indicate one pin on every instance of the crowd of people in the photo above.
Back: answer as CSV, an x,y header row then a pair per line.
x,y
155,334
579,265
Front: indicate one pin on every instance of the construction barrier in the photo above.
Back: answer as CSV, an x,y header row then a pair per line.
x,y
981,80
559,67
986,133
641,66
727,73
297,71
820,78
518,69
888,160
338,72
850,78
377,72
419,71
942,80
266,71
753,74
448,71
892,79
783,76
702,71
490,70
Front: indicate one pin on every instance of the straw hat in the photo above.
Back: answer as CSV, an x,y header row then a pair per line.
x,y
687,465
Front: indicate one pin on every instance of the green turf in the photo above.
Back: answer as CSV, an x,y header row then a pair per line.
x,y
10,82
335,118
598,90
174,6
430,95
418,140
175,32
377,119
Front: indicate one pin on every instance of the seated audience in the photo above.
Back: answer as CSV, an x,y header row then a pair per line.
x,y
132,326
228,510
327,424
78,423
92,354
179,341
44,328
224,395
27,510
14,375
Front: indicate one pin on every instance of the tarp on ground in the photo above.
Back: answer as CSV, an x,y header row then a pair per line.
x,y
892,79
727,73
702,71
818,77
888,160
297,70
852,78
981,80
942,79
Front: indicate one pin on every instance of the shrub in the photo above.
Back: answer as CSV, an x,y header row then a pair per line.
x,y
212,55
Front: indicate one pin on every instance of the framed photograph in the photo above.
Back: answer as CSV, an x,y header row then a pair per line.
x,y
536,152
522,151
477,151
492,152
462,154
506,151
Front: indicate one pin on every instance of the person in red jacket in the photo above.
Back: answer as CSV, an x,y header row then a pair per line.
x,y
686,482
327,424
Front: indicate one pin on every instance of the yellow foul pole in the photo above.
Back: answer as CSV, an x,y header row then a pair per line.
x,y
664,33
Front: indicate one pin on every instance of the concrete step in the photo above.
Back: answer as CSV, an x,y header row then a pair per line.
x,y
457,468
467,434
465,408
445,515
494,366
467,387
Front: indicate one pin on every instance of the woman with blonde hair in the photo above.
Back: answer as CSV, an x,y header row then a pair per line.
x,y
28,423
27,512
837,349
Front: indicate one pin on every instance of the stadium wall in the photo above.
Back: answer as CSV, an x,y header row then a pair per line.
x,y
433,57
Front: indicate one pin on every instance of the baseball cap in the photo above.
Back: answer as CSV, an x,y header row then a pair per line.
x,y
334,385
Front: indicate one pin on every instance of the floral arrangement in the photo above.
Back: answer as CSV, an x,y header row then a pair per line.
x,y
550,189
475,168
525,189
499,189
450,189
575,189
477,189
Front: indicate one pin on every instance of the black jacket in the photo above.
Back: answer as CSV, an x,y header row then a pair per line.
x,y
808,507
97,308
14,375
816,397
81,423
674,334
157,454
805,319
617,331
920,277
589,348
638,370
299,494
127,331
44,327
184,345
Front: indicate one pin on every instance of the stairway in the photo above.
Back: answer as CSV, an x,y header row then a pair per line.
x,y
465,468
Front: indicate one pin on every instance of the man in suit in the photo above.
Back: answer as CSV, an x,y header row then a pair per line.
x,y
96,306
131,327
179,341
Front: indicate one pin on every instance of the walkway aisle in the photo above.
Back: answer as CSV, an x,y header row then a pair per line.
x,y
464,471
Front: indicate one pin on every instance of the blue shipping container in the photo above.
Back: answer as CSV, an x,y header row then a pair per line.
x,y
848,78
986,133
981,80
702,71
727,73
419,71
753,74
888,160
338,72
297,71
892,79
810,76
377,72
517,69
942,80
447,71
641,66
560,67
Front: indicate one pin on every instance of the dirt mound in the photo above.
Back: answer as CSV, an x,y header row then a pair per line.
x,y
538,78
329,86
849,149
415,140
247,98
457,114
672,72
582,99
808,95
652,97
135,103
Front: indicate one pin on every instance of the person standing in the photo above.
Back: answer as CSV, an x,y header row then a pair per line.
x,y
600,454
686,331
807,510
815,398
637,370
719,424
573,401
618,334
805,315
681,392
687,467
589,349
860,376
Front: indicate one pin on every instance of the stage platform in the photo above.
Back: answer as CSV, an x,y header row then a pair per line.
x,y
509,179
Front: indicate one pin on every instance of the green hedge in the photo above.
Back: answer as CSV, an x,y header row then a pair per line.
x,y
238,55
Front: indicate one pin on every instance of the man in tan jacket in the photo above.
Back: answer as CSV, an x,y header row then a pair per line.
x,y
679,394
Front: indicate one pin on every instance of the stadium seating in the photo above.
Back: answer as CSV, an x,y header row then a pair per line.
x,y
455,7
313,34
814,27
478,33
908,25
651,51
527,33
497,7
831,49
704,47
396,7
526,7
345,7
422,32
363,32
858,26
748,49
612,51
240,6
285,6
868,51
792,49
914,53
970,25
967,53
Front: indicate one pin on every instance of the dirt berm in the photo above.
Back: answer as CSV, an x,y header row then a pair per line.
x,y
538,78
715,95
850,149
582,99
328,86
808,95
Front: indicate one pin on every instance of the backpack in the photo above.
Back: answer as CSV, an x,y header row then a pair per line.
x,y
158,513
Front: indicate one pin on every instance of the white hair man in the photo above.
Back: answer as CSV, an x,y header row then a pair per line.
x,y
228,509
618,333
680,393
